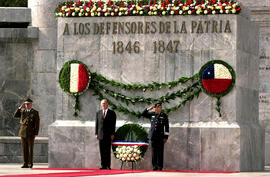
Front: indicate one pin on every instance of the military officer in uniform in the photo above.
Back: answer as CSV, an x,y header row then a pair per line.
x,y
158,134
105,130
29,127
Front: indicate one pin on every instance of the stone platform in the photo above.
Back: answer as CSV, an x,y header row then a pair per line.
x,y
11,152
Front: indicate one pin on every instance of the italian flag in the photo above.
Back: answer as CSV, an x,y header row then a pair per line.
x,y
216,78
78,78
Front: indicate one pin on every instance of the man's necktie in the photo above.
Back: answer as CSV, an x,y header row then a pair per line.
x,y
103,115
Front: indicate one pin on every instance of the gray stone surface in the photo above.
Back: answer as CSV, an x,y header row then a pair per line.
x,y
10,149
200,139
15,14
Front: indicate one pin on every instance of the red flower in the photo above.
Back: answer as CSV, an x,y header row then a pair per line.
x,y
115,13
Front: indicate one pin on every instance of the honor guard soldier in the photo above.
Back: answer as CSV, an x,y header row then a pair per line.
x,y
158,133
29,127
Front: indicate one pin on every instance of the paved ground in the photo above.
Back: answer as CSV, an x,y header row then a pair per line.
x,y
15,169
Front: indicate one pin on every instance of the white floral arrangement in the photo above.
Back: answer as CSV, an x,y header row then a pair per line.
x,y
128,153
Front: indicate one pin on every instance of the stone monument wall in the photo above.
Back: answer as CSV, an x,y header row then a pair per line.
x,y
199,138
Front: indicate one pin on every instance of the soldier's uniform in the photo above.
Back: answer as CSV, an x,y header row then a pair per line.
x,y
29,127
159,130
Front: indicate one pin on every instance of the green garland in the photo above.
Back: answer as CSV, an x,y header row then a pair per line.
x,y
135,100
125,110
100,86
151,86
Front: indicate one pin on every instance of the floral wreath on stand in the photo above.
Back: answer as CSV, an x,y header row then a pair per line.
x,y
74,79
130,144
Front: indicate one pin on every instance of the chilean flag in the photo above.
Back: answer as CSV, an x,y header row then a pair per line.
x,y
78,78
216,78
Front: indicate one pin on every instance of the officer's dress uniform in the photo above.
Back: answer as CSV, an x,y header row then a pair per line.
x,y
159,122
29,127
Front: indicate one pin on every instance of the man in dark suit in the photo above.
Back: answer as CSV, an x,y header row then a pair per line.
x,y
29,127
157,134
105,129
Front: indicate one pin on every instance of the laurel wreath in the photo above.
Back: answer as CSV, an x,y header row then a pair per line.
x,y
65,85
219,95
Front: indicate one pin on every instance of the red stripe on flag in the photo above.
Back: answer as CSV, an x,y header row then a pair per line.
x,y
216,85
83,78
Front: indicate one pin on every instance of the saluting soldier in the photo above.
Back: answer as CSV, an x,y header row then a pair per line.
x,y
29,127
158,133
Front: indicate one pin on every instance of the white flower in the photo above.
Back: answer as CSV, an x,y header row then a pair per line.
x,y
227,11
198,12
149,13
205,11
132,159
141,12
81,10
221,11
123,159
98,13
106,14
66,14
163,13
120,13
172,12
155,13
134,12
233,11
112,14
87,9
180,12
137,158
126,13
213,12
189,12
128,159
92,14
99,9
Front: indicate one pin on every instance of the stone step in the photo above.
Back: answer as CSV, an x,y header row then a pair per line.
x,y
10,149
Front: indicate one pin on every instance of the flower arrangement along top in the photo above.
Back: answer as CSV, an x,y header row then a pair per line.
x,y
92,8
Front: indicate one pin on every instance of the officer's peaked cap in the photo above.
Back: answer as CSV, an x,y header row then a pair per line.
x,y
27,100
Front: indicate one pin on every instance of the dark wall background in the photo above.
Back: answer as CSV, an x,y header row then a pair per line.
x,y
13,3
